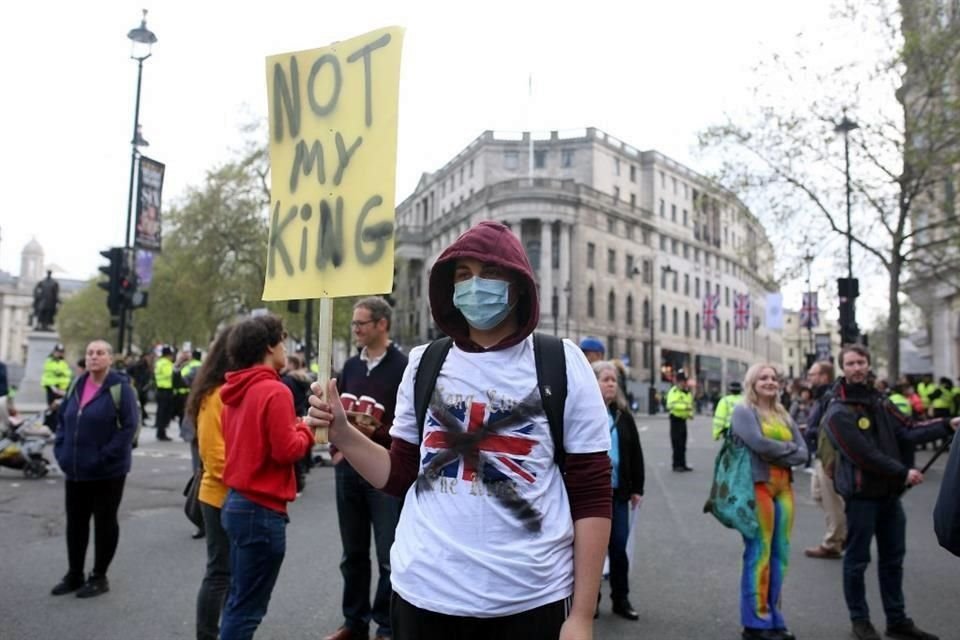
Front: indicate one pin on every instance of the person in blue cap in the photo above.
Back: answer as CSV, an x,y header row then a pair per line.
x,y
592,348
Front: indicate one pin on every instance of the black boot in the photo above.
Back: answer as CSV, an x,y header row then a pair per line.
x,y
624,609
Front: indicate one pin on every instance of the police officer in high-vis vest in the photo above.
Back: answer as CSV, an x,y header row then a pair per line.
x,y
680,408
724,411
56,375
900,401
163,381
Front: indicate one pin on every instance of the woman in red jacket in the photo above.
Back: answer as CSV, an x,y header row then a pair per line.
x,y
263,438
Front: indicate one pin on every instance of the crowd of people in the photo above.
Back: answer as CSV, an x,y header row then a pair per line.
x,y
498,453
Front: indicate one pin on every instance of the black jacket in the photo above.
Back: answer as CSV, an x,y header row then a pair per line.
x,y
822,396
381,384
874,441
631,474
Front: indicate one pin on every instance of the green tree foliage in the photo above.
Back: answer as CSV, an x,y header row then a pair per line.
x,y
83,317
785,157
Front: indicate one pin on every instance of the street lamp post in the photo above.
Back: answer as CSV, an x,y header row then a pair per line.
x,y
652,392
141,44
848,289
845,126
808,258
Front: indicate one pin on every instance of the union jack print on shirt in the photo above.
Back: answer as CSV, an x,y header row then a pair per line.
x,y
503,455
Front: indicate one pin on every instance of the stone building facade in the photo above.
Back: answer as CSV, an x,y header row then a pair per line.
x,y
624,243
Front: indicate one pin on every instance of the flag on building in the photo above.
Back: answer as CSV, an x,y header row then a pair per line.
x,y
710,318
774,311
741,311
809,312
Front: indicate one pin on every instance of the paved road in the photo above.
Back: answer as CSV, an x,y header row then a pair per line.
x,y
684,580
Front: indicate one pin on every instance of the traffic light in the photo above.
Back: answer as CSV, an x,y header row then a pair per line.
x,y
113,271
129,290
848,290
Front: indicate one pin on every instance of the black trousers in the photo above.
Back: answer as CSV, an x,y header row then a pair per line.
x,y
164,411
412,623
101,500
678,440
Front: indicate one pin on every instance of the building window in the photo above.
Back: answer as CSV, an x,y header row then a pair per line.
x,y
510,160
612,307
663,280
646,313
629,351
726,331
686,251
645,237
726,296
675,247
611,344
686,284
611,224
616,194
633,173
696,326
663,208
540,159
591,255
663,180
616,166
673,213
676,280
696,255
611,261
630,266
674,185
591,310
646,354
686,324
630,310
696,288
663,318
631,231
566,158
676,322
471,168
633,201
647,272
686,217
663,242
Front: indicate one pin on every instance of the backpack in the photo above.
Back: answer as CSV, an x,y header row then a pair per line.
x,y
551,365
116,393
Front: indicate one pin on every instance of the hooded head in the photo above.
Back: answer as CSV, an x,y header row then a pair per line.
x,y
491,243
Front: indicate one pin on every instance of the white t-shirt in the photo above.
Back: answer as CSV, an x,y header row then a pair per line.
x,y
502,544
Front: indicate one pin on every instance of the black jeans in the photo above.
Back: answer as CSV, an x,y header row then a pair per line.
x,y
412,623
361,507
216,581
678,440
101,500
617,550
885,519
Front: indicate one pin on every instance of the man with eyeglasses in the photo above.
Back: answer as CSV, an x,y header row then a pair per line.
x,y
369,383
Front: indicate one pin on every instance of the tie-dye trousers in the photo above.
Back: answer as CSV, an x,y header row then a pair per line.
x,y
765,558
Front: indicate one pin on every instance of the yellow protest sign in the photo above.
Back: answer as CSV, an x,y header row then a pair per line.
x,y
333,150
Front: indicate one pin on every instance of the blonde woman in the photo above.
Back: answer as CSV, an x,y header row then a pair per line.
x,y
775,445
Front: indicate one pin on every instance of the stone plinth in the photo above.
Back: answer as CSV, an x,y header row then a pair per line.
x,y
30,395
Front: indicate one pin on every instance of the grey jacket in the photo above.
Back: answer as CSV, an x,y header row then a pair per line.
x,y
765,451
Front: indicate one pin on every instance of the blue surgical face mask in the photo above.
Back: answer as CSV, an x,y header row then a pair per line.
x,y
483,302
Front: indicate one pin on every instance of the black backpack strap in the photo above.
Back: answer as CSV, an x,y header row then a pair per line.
x,y
425,379
551,362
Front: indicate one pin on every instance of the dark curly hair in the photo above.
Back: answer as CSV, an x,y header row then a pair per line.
x,y
211,373
251,338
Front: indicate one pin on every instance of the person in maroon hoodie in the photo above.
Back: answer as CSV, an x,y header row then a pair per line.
x,y
263,439
493,540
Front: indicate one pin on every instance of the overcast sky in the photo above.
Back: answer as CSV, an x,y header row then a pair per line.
x,y
649,73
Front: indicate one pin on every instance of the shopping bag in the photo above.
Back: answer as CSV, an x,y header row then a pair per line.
x,y
732,499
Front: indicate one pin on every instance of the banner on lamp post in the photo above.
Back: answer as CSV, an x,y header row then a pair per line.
x,y
149,228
